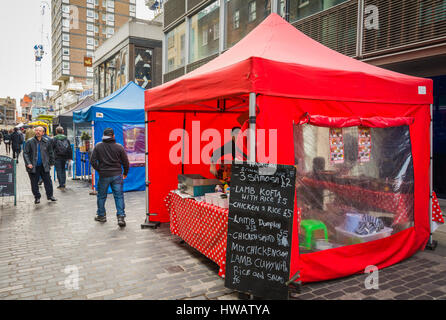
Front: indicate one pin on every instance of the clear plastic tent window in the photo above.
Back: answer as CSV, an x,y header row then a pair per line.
x,y
354,184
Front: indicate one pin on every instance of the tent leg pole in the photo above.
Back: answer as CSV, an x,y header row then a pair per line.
x,y
74,153
147,223
252,127
431,244
93,190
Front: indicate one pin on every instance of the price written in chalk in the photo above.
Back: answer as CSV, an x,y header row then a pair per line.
x,y
259,229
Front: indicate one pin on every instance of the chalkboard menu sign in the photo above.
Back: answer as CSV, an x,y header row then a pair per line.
x,y
7,177
260,225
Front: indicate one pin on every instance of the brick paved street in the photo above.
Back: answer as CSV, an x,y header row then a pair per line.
x,y
38,243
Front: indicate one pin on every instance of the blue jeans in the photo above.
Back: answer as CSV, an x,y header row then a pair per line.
x,y
117,185
60,170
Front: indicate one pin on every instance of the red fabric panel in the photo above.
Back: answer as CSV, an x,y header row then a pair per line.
x,y
278,113
342,122
163,175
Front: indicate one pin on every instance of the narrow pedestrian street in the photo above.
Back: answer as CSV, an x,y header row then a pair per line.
x,y
41,246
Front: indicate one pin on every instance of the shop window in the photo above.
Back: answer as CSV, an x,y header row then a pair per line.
x,y
143,67
201,46
176,47
353,185
242,17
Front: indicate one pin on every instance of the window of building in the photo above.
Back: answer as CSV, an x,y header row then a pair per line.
x,y
96,15
205,37
96,42
65,51
90,41
110,4
170,40
90,1
110,30
65,65
303,8
90,27
132,8
143,67
110,17
199,45
104,17
236,19
252,11
90,13
65,8
96,29
216,31
65,23
242,17
175,47
89,53
65,37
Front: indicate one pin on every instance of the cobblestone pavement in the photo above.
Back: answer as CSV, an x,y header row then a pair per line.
x,y
41,246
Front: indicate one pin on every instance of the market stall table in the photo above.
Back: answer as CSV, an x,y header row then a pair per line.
x,y
203,226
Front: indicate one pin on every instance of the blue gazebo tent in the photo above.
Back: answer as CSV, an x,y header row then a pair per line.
x,y
123,111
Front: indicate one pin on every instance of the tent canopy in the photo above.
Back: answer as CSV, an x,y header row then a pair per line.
x,y
125,105
292,75
67,117
86,102
276,59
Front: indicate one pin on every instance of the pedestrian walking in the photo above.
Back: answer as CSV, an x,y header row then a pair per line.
x,y
39,158
62,153
110,160
1,137
16,143
7,139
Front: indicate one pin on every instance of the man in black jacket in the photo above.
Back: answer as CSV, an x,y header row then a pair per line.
x,y
109,159
39,158
16,141
62,153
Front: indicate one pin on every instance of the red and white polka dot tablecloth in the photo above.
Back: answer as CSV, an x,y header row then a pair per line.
x,y
201,225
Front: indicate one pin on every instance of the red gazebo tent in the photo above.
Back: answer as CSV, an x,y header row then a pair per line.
x,y
279,74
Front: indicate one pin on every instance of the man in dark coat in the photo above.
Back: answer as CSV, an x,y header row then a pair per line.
x,y
110,160
39,157
62,153
16,142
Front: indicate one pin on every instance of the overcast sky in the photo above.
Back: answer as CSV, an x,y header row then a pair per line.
x,y
20,30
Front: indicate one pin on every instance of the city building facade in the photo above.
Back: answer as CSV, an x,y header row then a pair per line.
x,y
8,108
134,53
79,27
407,36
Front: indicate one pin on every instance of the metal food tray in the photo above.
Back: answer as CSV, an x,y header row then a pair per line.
x,y
196,180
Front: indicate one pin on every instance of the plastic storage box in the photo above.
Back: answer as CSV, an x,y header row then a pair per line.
x,y
348,238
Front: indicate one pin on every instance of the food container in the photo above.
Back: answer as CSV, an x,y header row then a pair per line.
x,y
349,238
351,221
196,185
